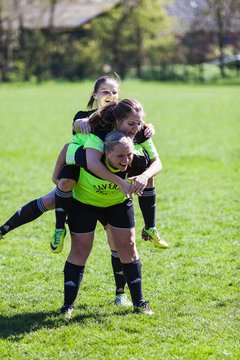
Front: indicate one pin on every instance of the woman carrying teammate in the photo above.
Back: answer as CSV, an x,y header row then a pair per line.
x,y
105,91
96,199
126,116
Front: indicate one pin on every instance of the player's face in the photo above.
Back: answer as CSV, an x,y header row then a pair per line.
x,y
131,124
121,156
106,93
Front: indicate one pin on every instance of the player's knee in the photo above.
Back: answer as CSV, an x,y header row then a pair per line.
x,y
66,184
49,201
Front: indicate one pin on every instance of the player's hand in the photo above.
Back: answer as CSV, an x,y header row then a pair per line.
x,y
84,126
149,130
139,184
125,187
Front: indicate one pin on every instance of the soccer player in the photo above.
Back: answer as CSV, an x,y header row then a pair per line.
x,y
106,89
97,199
147,201
126,116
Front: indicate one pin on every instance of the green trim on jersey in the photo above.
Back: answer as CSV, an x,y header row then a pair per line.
x,y
94,142
149,147
109,166
77,141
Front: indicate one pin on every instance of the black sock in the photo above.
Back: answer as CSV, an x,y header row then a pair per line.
x,y
27,213
147,203
73,275
119,277
133,275
63,201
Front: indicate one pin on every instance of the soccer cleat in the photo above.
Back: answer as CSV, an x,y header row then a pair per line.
x,y
3,231
154,237
58,240
143,308
122,300
67,311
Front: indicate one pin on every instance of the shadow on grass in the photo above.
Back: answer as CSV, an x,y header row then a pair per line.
x,y
16,327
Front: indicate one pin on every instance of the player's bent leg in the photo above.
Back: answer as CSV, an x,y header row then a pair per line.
x,y
49,200
66,184
154,237
57,241
63,201
29,212
147,203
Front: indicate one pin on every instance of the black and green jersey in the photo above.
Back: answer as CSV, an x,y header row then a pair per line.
x,y
95,191
144,149
78,139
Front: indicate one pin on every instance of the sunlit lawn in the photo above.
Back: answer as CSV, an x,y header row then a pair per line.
x,y
193,287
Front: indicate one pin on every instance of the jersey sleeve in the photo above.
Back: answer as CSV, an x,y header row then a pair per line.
x,y
94,142
140,137
150,148
82,115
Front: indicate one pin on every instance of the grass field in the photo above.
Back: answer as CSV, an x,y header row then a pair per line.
x,y
193,287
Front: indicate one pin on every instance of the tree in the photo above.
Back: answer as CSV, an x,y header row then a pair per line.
x,y
128,33
225,15
7,41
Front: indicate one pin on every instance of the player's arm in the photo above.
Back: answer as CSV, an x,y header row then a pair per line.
x,y
140,181
82,126
155,167
95,165
59,163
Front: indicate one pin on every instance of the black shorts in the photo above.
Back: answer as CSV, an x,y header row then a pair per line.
x,y
70,172
83,218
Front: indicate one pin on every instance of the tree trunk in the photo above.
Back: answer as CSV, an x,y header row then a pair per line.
x,y
139,52
220,35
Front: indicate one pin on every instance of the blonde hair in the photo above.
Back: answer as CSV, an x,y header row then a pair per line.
x,y
114,138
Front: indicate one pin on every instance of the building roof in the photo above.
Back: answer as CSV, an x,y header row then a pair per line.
x,y
36,14
67,14
195,15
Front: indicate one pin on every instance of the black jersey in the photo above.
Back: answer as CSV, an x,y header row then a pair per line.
x,y
82,115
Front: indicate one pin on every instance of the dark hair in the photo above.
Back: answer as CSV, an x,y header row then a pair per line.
x,y
98,83
114,138
105,119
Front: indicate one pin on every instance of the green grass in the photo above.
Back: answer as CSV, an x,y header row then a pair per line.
x,y
193,287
